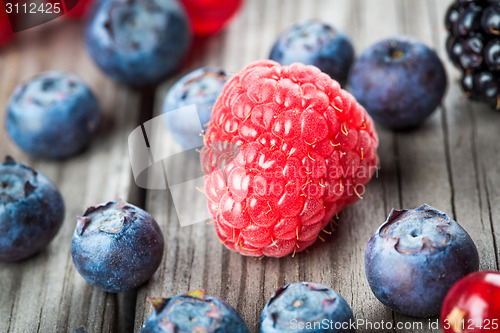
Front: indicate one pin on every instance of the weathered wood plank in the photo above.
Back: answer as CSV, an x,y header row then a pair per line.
x,y
45,293
195,259
422,153
372,25
451,163
472,129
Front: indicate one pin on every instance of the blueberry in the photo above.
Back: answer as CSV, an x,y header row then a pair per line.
x,y
193,312
31,211
53,115
315,43
399,81
137,42
415,257
306,307
116,246
200,87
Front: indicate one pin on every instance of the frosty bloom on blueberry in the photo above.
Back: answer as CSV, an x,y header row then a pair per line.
x,y
116,246
400,81
200,87
137,42
53,115
305,149
415,257
193,312
31,211
306,307
315,43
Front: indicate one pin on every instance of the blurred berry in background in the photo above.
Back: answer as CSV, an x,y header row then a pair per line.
x,y
5,29
315,43
200,87
77,10
208,17
137,43
473,46
81,8
53,115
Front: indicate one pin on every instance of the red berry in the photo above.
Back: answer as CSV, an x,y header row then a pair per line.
x,y
5,29
286,149
81,8
208,17
77,11
473,304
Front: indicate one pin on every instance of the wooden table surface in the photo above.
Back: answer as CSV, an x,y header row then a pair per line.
x,y
451,163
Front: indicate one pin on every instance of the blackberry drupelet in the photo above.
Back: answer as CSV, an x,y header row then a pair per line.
x,y
473,46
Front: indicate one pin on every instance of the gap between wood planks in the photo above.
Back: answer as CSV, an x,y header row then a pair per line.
x,y
126,302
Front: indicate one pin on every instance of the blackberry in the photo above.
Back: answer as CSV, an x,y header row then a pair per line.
x,y
473,46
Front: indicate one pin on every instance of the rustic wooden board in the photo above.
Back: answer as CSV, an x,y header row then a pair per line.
x,y
45,293
451,163
474,152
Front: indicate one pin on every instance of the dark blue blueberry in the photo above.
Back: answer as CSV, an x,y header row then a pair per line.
x,y
306,307
137,42
193,312
315,43
117,246
399,81
200,87
31,211
54,115
415,257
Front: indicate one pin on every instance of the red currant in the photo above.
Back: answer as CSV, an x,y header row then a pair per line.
x,y
78,11
473,304
5,29
208,17
81,8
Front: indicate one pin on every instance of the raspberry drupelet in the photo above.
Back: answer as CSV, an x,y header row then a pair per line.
x,y
286,149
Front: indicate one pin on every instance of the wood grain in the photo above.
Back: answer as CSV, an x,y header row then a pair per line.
x,y
440,164
45,293
451,162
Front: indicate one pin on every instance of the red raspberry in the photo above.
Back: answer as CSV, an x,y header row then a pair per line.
x,y
305,149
